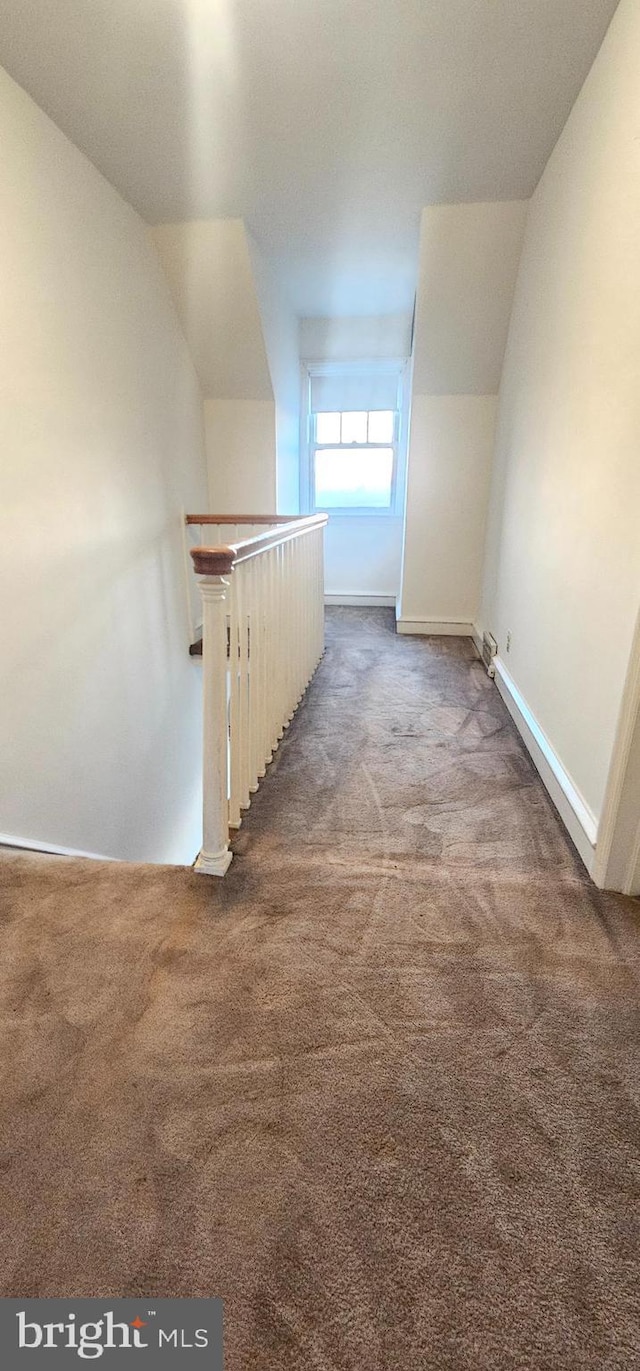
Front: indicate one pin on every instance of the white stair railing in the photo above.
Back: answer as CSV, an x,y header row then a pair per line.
x,y
262,638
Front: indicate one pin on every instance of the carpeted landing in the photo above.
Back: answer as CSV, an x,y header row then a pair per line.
x,y
377,1088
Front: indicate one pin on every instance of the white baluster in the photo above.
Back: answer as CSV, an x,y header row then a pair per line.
x,y
254,672
265,662
289,645
234,705
299,619
275,637
243,674
307,610
280,638
320,556
215,857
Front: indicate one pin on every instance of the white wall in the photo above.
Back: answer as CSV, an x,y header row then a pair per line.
x,y
240,439
280,330
208,266
211,267
617,863
468,265
346,339
467,270
563,552
101,450
362,555
449,475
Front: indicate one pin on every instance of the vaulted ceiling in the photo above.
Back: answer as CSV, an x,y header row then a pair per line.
x,y
326,124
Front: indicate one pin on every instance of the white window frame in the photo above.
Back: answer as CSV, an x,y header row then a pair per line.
x,y
308,444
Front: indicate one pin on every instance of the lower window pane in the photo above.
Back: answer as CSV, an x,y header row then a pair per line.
x,y
353,479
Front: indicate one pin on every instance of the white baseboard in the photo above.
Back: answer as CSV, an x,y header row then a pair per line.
x,y
372,601
450,628
576,816
476,637
30,845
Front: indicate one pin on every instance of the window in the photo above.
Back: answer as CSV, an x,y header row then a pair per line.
x,y
353,459
353,438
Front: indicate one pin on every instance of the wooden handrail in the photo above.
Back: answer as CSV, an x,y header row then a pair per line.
x,y
220,561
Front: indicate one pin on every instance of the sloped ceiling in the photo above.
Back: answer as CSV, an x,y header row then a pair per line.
x,y
469,256
325,125
208,267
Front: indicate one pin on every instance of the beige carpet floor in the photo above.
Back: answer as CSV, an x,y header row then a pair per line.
x,y
378,1088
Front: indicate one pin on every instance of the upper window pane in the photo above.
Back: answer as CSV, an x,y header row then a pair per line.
x,y
354,427
381,426
327,428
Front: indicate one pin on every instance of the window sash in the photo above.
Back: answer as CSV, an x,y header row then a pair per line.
x,y
351,443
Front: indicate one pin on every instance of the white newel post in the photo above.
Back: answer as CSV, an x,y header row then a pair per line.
x,y
215,856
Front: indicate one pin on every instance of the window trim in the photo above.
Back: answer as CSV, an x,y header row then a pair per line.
x,y
395,508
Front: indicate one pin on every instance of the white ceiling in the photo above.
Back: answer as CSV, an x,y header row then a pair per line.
x,y
326,125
